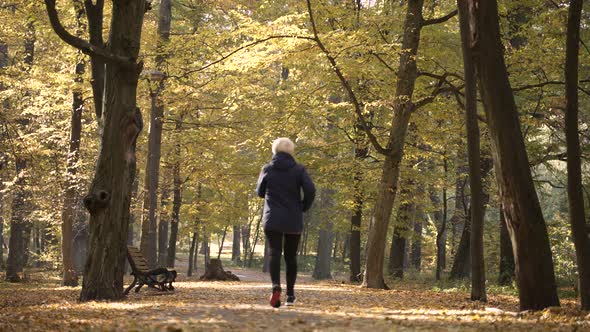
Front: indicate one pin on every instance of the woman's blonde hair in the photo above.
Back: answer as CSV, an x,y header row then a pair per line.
x,y
283,144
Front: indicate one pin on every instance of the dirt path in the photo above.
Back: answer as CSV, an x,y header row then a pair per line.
x,y
243,306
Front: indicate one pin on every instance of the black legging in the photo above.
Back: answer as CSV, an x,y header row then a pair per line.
x,y
291,243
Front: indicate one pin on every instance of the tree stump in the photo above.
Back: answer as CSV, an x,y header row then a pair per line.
x,y
215,272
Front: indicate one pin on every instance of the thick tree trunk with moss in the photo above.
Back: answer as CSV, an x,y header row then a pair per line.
x,y
110,194
403,106
478,288
526,225
574,163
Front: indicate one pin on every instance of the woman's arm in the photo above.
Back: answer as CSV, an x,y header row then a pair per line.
x,y
308,190
261,185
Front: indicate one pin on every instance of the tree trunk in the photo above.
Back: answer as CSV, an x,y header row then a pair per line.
x,y
506,257
196,254
215,271
206,251
397,252
132,218
20,225
235,250
2,266
176,203
148,241
478,288
191,254
335,241
441,237
222,243
403,106
355,230
526,226
345,248
3,156
461,268
109,198
256,235
322,268
461,262
461,202
69,213
416,254
163,226
574,163
148,224
95,16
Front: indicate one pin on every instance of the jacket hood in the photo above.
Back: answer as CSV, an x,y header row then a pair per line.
x,y
282,161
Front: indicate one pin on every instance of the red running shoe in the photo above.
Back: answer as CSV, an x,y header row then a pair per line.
x,y
275,298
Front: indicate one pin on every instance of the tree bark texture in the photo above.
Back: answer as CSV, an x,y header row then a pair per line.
x,y
95,17
478,288
235,250
3,156
149,240
109,198
163,226
441,235
574,162
403,106
361,151
397,252
462,263
70,214
402,109
526,225
192,252
506,274
416,253
176,201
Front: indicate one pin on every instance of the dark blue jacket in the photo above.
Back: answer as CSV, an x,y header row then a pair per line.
x,y
280,184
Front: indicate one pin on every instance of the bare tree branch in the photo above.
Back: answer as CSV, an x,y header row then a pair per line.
x,y
238,49
542,84
439,19
81,44
358,108
387,65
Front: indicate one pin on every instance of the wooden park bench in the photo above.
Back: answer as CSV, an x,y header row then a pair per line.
x,y
160,278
